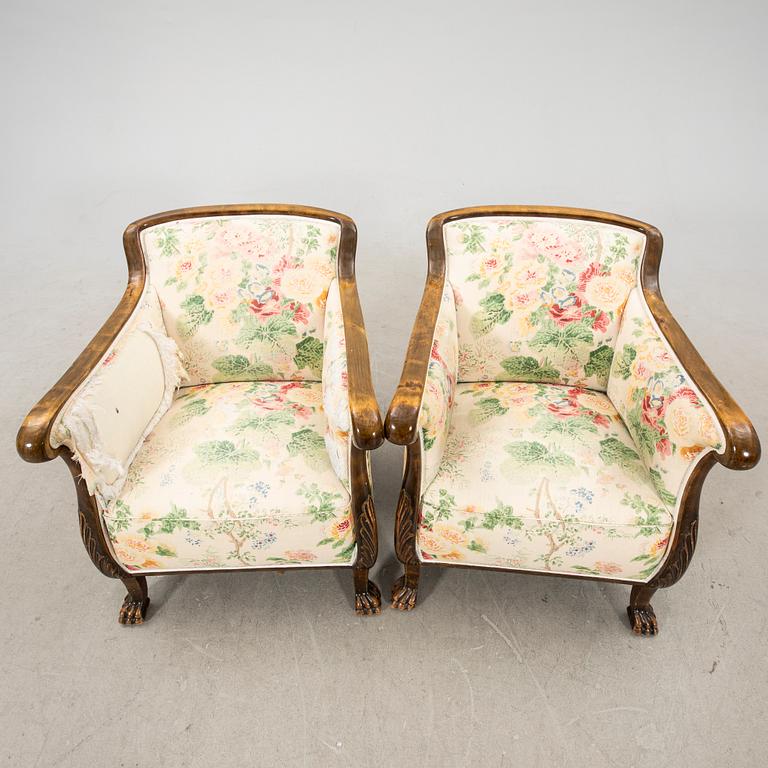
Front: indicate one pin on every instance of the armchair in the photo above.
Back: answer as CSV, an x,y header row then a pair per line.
x,y
221,418
556,419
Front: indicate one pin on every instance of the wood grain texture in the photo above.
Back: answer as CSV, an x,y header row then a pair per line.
x,y
401,423
367,429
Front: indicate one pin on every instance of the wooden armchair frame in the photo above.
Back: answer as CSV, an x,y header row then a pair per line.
x,y
33,441
741,451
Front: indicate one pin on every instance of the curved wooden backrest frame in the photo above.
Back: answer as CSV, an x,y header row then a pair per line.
x,y
742,447
33,439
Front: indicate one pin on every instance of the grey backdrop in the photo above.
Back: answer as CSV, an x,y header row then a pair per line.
x,y
390,113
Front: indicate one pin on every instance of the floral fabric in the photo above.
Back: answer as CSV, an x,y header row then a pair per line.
x,y
235,475
338,429
107,418
543,477
539,299
440,388
244,296
670,423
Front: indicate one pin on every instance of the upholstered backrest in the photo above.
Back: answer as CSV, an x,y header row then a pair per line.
x,y
539,298
244,295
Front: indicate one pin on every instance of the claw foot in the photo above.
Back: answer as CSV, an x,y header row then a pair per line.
x,y
133,611
403,596
642,619
368,603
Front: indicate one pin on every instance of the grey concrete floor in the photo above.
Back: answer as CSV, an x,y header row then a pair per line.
x,y
112,112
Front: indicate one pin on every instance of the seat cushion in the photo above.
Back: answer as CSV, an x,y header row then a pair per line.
x,y
543,477
235,475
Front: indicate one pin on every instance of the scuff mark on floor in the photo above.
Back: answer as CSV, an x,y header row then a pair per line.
x,y
496,629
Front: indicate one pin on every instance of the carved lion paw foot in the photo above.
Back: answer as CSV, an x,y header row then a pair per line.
x,y
368,603
133,611
403,596
642,619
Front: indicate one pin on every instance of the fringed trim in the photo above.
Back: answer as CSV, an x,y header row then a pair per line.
x,y
78,431
170,359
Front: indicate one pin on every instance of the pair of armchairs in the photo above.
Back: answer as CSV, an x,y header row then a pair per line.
x,y
555,417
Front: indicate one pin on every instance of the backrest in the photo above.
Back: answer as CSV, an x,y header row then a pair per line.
x,y
243,294
539,297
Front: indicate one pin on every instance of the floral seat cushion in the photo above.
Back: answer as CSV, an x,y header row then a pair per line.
x,y
235,475
543,477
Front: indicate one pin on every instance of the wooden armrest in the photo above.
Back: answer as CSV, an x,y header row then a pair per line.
x,y
367,430
402,421
742,446
33,439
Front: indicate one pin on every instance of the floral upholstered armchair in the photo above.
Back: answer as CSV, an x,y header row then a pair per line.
x,y
222,416
556,418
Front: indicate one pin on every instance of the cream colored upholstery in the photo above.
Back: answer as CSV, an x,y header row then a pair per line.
x,y
248,464
572,430
244,296
539,299
543,477
234,475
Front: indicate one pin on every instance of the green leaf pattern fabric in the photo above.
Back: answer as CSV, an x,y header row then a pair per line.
x,y
543,477
235,475
539,299
670,423
244,296
439,391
